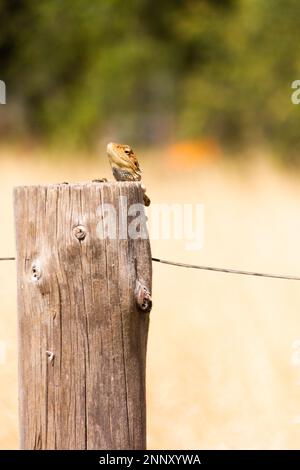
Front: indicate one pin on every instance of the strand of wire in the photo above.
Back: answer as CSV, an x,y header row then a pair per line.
x,y
227,270
211,268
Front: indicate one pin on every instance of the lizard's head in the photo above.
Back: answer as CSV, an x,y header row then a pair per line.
x,y
119,150
124,162
125,165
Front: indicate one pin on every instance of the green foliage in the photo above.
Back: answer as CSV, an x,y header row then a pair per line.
x,y
146,71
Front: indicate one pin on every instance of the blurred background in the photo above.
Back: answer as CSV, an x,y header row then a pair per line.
x,y
202,90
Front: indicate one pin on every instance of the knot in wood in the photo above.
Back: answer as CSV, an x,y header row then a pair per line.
x,y
79,232
51,356
36,272
143,297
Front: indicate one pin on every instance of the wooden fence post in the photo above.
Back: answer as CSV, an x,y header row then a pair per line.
x,y
83,309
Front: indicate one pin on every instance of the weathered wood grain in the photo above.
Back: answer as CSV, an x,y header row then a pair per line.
x,y
83,307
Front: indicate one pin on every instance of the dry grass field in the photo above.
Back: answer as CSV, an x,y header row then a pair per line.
x,y
223,366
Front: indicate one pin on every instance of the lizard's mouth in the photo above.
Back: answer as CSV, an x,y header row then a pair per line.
x,y
110,148
112,151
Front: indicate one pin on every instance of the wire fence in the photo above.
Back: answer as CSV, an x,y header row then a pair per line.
x,y
211,268
227,270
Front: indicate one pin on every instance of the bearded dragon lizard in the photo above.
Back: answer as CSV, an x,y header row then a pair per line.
x,y
125,165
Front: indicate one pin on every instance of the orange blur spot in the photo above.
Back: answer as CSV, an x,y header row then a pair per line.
x,y
189,153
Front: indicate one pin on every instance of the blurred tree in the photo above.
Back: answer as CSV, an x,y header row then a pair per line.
x,y
145,71
240,92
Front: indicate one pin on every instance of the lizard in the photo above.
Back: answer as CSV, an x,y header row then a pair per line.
x,y
125,165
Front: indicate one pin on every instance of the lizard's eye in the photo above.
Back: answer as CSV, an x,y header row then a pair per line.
x,y
127,152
